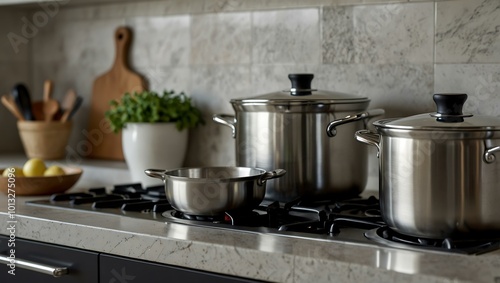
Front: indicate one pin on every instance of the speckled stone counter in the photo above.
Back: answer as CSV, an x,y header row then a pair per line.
x,y
263,257
251,255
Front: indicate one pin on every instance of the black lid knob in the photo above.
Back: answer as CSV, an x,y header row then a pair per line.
x,y
301,83
449,107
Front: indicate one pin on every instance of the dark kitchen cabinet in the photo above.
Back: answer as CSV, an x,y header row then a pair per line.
x,y
93,267
83,266
118,269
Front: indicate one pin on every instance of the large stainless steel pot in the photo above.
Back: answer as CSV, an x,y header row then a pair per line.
x,y
438,173
287,130
212,191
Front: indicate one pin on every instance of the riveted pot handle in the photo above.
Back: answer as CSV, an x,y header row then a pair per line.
x,y
271,175
489,156
331,130
365,136
226,120
155,173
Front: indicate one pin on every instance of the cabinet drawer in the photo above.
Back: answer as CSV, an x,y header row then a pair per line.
x,y
117,269
82,265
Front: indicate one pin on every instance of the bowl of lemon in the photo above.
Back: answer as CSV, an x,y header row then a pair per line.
x,y
36,178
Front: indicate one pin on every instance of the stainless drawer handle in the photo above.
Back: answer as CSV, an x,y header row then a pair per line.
x,y
45,269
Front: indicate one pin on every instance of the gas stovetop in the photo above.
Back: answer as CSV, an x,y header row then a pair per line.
x,y
355,220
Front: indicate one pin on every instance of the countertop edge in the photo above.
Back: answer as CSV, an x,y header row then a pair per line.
x,y
240,254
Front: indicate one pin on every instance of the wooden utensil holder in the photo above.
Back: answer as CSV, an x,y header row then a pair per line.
x,y
44,140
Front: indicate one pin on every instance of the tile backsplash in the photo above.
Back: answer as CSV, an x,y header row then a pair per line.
x,y
378,34
14,67
397,53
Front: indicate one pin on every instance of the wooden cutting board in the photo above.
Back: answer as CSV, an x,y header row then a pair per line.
x,y
111,85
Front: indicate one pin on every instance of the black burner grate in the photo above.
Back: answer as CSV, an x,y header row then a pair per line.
x,y
391,238
343,219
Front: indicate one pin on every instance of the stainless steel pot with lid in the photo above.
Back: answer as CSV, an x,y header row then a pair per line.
x,y
286,129
438,172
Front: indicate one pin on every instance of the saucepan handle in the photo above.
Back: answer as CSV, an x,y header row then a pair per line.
x,y
365,136
331,130
226,120
155,173
271,175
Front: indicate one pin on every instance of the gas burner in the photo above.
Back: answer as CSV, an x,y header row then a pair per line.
x,y
373,213
386,236
354,220
120,194
181,215
135,190
238,218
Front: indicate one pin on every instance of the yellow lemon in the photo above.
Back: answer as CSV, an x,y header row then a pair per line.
x,y
54,170
18,172
34,167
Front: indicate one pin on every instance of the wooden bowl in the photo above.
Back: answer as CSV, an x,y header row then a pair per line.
x,y
30,186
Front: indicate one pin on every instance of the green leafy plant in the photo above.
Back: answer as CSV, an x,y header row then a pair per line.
x,y
150,107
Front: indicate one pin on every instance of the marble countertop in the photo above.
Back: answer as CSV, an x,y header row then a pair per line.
x,y
259,256
264,257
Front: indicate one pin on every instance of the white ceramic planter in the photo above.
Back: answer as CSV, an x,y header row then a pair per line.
x,y
153,145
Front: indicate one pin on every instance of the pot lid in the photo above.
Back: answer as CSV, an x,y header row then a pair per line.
x,y
301,92
448,117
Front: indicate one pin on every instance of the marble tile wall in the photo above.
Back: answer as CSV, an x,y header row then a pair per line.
x,y
14,68
468,53
397,53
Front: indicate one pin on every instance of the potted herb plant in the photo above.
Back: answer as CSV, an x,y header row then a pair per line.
x,y
154,130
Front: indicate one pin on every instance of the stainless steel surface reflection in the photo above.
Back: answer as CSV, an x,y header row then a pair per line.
x,y
212,191
317,165
179,232
262,242
399,261
286,129
438,172
270,244
437,188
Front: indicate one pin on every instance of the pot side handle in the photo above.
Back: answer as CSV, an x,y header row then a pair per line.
x,y
365,136
271,175
331,130
489,156
226,120
155,173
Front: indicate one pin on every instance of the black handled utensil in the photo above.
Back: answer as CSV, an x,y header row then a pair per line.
x,y
22,98
76,105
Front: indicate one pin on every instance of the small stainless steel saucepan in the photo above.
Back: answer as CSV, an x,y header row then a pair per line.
x,y
210,191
